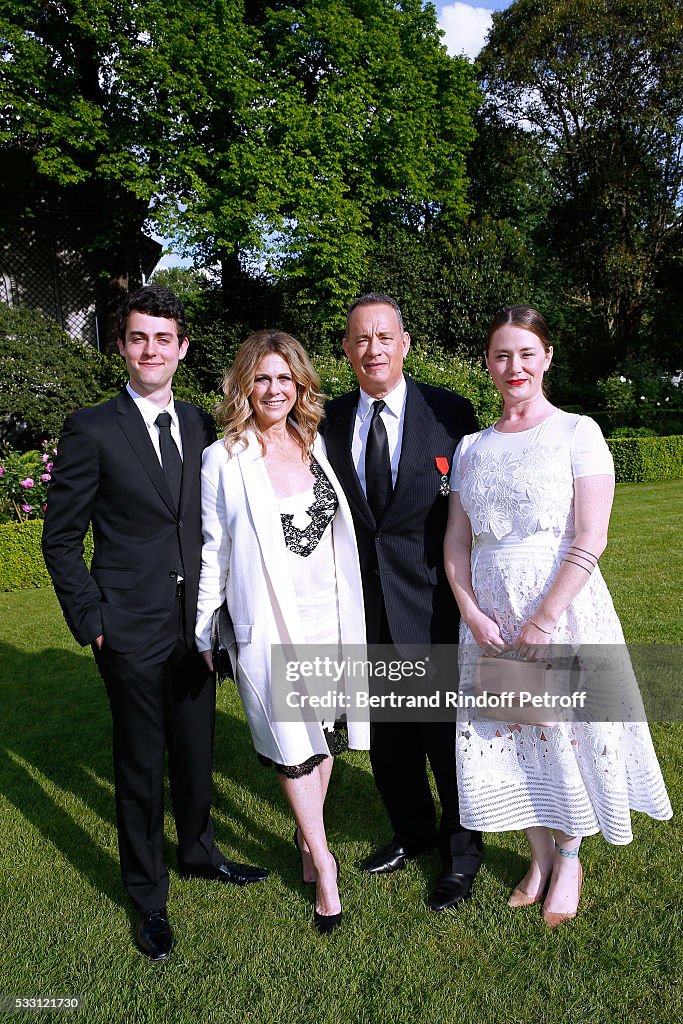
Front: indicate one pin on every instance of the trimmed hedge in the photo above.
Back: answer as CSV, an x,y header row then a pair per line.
x,y
21,559
636,460
647,459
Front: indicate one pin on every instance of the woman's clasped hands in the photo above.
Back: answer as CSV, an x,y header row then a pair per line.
x,y
487,635
531,644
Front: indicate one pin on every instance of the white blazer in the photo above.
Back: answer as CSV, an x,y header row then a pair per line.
x,y
245,560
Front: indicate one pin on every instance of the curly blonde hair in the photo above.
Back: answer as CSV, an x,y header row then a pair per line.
x,y
235,414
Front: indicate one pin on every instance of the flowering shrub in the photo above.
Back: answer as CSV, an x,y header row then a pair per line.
x,y
641,394
455,371
24,477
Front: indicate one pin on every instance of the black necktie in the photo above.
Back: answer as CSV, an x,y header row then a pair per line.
x,y
378,485
170,456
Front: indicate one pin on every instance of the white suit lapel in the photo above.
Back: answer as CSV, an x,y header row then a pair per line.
x,y
349,585
265,515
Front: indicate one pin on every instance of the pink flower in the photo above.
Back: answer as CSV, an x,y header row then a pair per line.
x,y
49,467
2,470
45,477
44,508
45,457
28,482
27,508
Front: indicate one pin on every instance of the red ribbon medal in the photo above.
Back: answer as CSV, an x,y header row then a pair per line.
x,y
442,465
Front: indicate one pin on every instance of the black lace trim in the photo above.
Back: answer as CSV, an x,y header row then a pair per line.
x,y
297,771
337,743
321,512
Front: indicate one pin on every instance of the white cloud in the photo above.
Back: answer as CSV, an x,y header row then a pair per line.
x,y
465,27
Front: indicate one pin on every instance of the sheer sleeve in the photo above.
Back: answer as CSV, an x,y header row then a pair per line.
x,y
456,472
589,452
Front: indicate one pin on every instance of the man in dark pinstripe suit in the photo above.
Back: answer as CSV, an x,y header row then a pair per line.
x,y
408,600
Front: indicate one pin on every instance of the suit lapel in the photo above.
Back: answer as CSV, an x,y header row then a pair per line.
x,y
133,426
416,427
342,441
265,515
193,445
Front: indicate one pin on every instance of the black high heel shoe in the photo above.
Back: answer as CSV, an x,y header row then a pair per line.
x,y
298,850
326,923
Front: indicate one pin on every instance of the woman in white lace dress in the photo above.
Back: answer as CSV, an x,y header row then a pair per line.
x,y
534,492
280,548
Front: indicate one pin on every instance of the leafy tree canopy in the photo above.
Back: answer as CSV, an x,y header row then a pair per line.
x,y
599,83
281,133
44,374
354,116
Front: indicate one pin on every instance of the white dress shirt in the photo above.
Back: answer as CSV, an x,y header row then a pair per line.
x,y
392,415
149,412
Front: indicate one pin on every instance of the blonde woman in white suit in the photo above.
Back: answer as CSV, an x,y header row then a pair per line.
x,y
279,546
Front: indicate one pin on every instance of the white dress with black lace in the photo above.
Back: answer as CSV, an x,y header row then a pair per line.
x,y
518,492
306,519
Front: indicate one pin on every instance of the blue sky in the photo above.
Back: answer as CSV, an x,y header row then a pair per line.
x,y
466,24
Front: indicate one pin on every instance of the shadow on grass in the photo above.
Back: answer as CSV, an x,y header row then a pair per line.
x,y
354,812
55,737
55,734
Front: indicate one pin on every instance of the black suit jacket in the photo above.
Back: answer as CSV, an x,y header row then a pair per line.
x,y
107,473
402,555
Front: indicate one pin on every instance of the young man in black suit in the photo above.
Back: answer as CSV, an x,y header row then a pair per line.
x,y
390,443
131,468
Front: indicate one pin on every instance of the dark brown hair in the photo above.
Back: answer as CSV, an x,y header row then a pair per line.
x,y
520,316
376,299
155,301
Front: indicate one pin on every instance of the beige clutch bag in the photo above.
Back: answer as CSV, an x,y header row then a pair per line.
x,y
514,691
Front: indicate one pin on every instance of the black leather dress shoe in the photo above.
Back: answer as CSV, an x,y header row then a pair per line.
x,y
450,890
389,858
385,860
228,871
154,935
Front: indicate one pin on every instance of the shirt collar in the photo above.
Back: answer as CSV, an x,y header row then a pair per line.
x,y
149,411
393,401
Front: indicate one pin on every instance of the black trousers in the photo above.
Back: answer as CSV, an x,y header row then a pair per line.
x,y
162,697
399,752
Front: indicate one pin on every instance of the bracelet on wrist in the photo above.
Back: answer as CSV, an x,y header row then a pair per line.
x,y
548,632
588,556
572,561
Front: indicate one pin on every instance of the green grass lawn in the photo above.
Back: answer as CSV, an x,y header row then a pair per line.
x,y
251,954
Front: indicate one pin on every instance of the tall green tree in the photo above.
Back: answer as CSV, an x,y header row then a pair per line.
x,y
357,118
99,105
450,282
599,84
271,137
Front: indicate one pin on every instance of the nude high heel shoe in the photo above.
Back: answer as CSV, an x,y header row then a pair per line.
x,y
553,919
520,898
